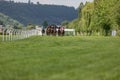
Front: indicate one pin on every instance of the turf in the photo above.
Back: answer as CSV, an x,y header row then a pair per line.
x,y
60,58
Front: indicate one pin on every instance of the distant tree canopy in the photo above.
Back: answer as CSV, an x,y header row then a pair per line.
x,y
65,23
80,9
7,21
45,24
101,16
30,26
37,13
1,22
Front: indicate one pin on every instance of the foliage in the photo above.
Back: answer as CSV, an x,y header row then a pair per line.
x,y
80,10
60,58
30,26
86,18
65,23
37,13
45,24
116,13
7,21
99,16
104,15
73,24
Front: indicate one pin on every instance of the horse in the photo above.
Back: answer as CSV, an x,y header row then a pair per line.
x,y
54,30
48,30
61,31
51,30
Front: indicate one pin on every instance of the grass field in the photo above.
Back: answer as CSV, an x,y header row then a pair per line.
x,y
0,38
61,58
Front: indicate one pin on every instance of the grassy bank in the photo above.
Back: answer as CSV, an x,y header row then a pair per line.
x,y
61,58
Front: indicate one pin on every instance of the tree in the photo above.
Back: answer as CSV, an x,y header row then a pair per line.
x,y
45,24
86,18
6,20
38,3
117,13
104,15
65,23
29,1
101,16
80,9
1,22
30,26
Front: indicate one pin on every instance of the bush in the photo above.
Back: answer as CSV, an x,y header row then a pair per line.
x,y
118,33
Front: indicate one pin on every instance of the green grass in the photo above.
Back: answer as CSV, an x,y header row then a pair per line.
x,y
61,58
0,38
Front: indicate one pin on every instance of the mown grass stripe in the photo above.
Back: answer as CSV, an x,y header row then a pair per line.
x,y
60,58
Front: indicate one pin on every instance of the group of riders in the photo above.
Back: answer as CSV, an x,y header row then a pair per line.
x,y
54,30
51,30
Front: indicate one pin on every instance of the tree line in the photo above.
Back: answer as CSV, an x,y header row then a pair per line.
x,y
99,17
8,22
30,13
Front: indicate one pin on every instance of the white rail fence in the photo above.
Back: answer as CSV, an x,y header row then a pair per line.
x,y
14,34
70,30
17,34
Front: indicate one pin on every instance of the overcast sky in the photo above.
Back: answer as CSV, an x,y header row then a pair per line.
x,y
74,3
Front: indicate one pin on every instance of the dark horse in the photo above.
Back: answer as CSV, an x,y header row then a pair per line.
x,y
51,30
61,31
48,30
54,30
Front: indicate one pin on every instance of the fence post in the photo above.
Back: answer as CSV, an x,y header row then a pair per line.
x,y
3,36
14,34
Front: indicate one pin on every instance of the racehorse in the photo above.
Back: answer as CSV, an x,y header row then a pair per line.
x,y
61,31
52,30
48,30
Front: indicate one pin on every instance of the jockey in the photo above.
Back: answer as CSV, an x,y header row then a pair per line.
x,y
62,28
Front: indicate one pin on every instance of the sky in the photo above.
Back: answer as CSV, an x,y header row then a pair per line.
x,y
74,3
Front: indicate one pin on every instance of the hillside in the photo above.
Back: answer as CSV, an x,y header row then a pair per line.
x,y
9,22
37,13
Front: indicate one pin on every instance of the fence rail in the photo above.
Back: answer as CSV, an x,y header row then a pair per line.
x,y
14,34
